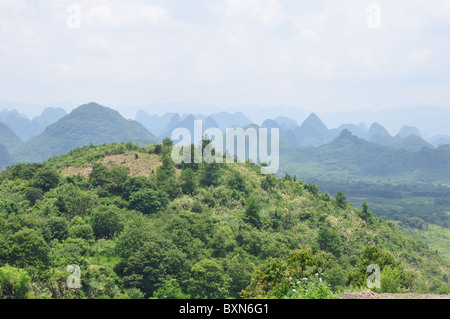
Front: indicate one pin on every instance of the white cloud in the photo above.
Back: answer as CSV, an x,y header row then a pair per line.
x,y
420,58
228,52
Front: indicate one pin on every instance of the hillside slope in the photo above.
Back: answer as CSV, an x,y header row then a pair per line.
x,y
138,227
348,156
88,124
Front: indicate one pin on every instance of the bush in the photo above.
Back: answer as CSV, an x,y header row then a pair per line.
x,y
252,215
106,222
46,178
148,201
14,283
311,289
390,279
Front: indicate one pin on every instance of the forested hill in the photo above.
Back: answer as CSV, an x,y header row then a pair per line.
x,y
89,123
139,226
350,157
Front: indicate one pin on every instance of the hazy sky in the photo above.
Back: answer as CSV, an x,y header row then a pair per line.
x,y
322,55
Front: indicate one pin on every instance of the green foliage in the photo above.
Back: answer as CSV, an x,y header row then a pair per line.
x,y
394,274
340,199
196,231
110,180
33,194
276,277
329,240
56,228
311,289
14,283
170,290
189,181
45,178
209,174
252,215
106,222
391,279
148,201
71,201
147,268
28,248
208,280
136,183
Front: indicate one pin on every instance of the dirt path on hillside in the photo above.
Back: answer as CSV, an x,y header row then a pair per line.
x,y
368,294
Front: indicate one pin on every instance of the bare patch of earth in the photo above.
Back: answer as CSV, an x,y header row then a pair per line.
x,y
368,294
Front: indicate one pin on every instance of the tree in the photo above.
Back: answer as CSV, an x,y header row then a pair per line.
x,y
237,182
14,283
341,199
366,214
72,201
188,181
170,289
136,183
374,255
251,214
106,222
208,280
33,194
117,176
148,201
329,240
276,276
111,180
166,179
28,249
46,178
146,268
56,228
99,175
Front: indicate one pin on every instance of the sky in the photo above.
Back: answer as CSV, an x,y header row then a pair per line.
x,y
321,55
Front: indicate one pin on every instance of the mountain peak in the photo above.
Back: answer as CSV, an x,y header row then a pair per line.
x,y
313,121
377,129
406,131
269,124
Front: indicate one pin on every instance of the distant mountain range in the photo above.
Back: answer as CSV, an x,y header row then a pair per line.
x,y
25,128
350,157
312,132
54,132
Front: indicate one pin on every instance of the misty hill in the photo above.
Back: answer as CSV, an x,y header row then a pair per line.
x,y
88,124
49,116
5,158
18,123
226,120
312,132
157,124
439,140
9,139
360,130
286,122
25,128
406,131
349,156
431,120
188,123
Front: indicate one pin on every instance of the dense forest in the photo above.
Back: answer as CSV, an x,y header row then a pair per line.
x,y
139,226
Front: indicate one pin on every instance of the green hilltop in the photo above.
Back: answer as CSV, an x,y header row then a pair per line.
x,y
139,226
88,124
350,157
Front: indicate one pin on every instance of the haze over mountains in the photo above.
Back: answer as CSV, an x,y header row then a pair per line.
x,y
87,124
55,132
